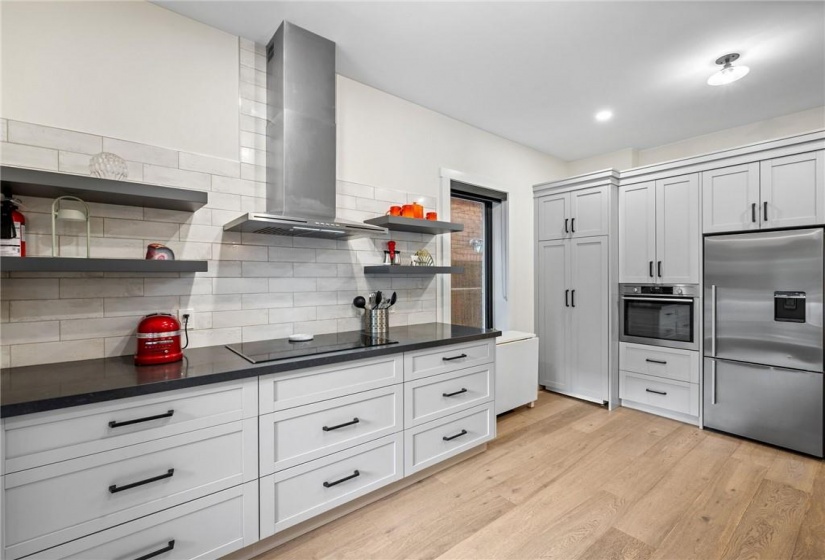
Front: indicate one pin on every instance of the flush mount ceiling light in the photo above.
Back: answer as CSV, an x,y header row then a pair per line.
x,y
604,115
729,73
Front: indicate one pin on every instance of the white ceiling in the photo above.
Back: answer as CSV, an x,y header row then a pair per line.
x,y
537,72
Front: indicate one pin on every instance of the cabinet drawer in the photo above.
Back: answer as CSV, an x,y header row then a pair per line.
x,y
38,439
287,390
56,503
208,527
430,398
675,396
294,495
671,363
436,441
301,434
432,361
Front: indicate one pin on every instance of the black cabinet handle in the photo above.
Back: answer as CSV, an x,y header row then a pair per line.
x,y
463,390
659,268
350,423
573,298
567,298
753,212
565,226
116,424
458,435
656,361
573,224
114,488
158,552
657,392
765,211
455,358
354,474
650,268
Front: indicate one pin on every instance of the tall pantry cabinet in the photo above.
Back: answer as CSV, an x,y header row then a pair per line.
x,y
576,295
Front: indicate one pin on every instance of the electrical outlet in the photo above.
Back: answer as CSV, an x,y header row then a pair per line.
x,y
182,312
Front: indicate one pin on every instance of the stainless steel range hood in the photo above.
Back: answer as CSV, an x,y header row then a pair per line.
x,y
300,142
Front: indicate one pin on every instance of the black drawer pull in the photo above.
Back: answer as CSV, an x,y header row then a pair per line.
x,y
753,212
116,424
114,488
664,363
650,268
455,358
330,428
458,435
565,226
659,268
657,392
158,552
765,206
340,480
573,225
463,390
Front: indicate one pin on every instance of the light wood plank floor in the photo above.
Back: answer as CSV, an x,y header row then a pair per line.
x,y
568,479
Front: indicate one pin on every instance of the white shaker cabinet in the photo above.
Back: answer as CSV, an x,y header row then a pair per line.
x,y
730,199
677,230
637,233
582,213
659,231
793,190
573,316
779,192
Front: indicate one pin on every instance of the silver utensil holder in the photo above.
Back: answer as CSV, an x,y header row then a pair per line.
x,y
377,322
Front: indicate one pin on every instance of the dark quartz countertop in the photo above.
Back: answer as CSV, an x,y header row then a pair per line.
x,y
29,389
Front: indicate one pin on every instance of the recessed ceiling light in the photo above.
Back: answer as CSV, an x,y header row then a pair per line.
x,y
729,73
605,115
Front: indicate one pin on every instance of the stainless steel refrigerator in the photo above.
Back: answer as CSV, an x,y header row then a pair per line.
x,y
763,358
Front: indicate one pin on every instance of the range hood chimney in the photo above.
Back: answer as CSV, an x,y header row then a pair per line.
x,y
300,141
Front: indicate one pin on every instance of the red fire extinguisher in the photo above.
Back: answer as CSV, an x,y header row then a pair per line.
x,y
12,229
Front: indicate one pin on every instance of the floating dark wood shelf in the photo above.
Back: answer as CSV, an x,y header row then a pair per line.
x,y
33,182
414,225
403,270
68,264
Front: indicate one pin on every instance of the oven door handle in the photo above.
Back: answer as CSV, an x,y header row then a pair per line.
x,y
663,299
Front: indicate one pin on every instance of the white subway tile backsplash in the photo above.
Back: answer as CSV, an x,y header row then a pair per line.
x,y
134,151
100,287
315,327
202,304
177,286
221,319
70,162
253,172
79,329
253,108
265,332
212,165
57,138
291,254
51,352
346,325
236,252
54,309
222,269
25,333
356,189
158,231
119,345
315,299
215,337
251,91
189,250
208,234
183,179
27,288
313,243
240,285
120,306
267,269
252,76
292,285
238,186
292,314
268,300
18,155
314,270
252,140
343,311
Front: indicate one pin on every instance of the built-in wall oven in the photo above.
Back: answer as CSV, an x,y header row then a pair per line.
x,y
660,315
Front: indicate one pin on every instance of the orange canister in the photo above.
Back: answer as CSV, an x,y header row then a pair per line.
x,y
418,211
408,211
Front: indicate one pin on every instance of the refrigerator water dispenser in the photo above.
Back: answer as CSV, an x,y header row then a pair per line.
x,y
789,307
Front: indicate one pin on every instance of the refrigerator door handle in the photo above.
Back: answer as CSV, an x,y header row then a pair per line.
x,y
713,382
713,320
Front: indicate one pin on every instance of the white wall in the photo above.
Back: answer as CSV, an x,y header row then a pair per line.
x,y
121,69
385,140
760,131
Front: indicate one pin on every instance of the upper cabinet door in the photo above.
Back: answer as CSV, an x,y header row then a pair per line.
x,y
553,216
552,313
590,215
637,233
677,230
793,190
589,328
730,199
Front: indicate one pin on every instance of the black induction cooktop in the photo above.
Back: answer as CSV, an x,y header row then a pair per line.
x,y
282,349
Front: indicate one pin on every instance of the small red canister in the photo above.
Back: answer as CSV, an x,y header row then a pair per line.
x,y
432,216
394,211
